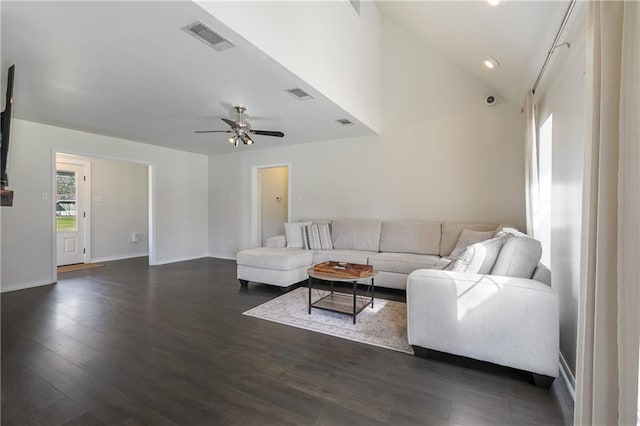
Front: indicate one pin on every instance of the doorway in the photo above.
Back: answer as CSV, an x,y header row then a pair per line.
x,y
118,199
70,219
271,206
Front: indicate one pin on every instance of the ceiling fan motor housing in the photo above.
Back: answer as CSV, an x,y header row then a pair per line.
x,y
242,129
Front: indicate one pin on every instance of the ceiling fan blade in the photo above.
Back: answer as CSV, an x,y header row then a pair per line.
x,y
229,122
214,131
267,133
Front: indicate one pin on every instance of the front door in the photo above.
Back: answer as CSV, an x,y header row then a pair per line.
x,y
70,214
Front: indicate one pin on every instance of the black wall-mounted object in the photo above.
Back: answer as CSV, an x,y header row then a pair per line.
x,y
6,196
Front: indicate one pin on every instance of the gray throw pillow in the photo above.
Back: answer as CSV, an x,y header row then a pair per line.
x,y
311,237
467,238
325,236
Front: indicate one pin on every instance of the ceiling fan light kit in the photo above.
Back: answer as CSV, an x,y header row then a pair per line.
x,y
241,129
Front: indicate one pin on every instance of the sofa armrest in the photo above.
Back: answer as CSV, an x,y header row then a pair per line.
x,y
504,320
279,241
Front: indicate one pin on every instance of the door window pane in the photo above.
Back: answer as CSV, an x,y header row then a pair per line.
x,y
66,191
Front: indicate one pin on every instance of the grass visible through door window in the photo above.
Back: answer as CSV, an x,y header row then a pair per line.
x,y
65,223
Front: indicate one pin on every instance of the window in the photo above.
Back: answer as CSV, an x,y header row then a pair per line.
x,y
66,190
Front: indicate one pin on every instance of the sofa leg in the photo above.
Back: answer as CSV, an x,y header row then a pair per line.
x,y
420,352
243,283
542,381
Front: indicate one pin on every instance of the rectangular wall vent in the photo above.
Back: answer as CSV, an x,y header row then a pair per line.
x,y
299,94
345,122
208,36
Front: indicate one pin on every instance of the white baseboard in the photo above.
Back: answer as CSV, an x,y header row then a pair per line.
x,y
118,257
180,259
568,377
222,256
21,286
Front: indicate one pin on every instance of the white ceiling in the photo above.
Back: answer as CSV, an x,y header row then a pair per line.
x,y
517,33
126,69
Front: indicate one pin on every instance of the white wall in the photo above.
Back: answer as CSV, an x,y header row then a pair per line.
x,y
180,205
442,155
323,42
562,94
274,200
119,207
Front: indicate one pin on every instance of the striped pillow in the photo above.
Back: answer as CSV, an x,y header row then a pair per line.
x,y
325,236
311,237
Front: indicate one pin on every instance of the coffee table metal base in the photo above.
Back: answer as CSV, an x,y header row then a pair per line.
x,y
350,304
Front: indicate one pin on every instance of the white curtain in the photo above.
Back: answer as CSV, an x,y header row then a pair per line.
x,y
609,307
531,161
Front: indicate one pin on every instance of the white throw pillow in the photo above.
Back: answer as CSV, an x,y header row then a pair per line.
x,y
478,258
293,233
467,238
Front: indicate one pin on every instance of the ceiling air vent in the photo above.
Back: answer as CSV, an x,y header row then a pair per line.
x,y
208,36
345,122
299,94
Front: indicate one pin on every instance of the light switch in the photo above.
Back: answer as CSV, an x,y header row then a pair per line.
x,y
97,198
45,196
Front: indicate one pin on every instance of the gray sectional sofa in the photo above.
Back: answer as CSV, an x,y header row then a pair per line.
x,y
394,248
504,312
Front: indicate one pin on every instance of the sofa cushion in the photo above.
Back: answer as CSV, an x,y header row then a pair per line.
x,y
356,234
351,256
293,232
519,257
451,233
479,258
275,258
420,237
469,237
542,274
403,263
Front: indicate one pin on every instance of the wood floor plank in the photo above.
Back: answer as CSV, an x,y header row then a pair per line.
x,y
130,344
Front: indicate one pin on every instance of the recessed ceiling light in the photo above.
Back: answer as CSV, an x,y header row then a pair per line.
x,y
491,62
494,2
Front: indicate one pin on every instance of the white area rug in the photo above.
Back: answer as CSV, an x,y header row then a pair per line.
x,y
384,325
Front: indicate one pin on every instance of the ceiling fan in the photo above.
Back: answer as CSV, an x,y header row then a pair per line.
x,y
241,129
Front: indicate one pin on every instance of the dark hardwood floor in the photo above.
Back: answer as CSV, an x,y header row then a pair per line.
x,y
130,344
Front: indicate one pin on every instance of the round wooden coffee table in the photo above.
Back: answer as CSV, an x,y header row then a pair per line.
x,y
350,304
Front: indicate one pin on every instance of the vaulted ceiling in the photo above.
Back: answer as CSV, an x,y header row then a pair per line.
x,y
516,33
107,68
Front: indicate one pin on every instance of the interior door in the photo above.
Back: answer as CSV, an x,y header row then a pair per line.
x,y
70,213
274,201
